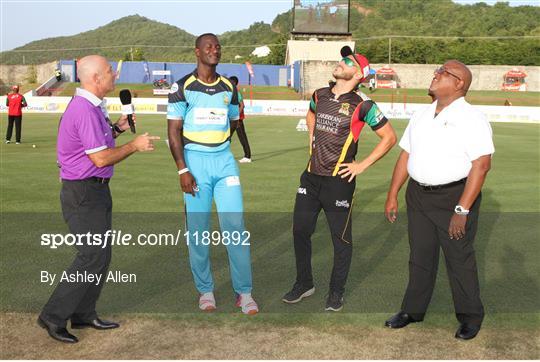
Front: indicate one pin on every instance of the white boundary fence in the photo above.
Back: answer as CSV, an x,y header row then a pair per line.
x,y
510,114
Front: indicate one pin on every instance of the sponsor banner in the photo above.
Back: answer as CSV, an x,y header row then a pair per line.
x,y
277,108
38,107
511,114
161,91
161,72
59,104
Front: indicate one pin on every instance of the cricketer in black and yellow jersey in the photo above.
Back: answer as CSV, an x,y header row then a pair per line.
x,y
335,119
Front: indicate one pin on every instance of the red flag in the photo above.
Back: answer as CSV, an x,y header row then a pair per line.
x,y
250,69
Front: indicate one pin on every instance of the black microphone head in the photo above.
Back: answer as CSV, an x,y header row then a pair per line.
x,y
125,96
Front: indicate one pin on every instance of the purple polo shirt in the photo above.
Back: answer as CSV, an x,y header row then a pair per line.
x,y
83,130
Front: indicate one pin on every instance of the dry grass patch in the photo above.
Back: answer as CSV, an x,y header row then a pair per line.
x,y
148,338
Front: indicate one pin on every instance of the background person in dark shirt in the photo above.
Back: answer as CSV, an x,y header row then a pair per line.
x,y
240,129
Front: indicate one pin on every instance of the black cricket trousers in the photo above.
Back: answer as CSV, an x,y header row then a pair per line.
x,y
18,128
86,207
334,195
429,213
242,136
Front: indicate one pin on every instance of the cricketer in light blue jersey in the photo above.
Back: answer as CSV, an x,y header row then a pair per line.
x,y
202,113
206,111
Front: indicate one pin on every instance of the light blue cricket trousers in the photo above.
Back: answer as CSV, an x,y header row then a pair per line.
x,y
217,177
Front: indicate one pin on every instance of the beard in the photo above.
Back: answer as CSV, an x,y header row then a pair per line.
x,y
337,74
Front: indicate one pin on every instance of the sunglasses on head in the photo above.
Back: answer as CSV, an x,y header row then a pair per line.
x,y
442,70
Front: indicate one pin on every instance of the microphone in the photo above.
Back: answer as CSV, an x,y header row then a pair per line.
x,y
127,107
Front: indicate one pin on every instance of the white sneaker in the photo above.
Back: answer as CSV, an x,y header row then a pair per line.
x,y
244,160
207,302
247,303
8,141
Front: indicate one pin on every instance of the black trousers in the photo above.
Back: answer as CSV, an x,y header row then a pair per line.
x,y
429,214
335,196
242,136
86,207
18,128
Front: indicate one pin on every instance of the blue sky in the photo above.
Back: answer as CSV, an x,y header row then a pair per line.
x,y
23,21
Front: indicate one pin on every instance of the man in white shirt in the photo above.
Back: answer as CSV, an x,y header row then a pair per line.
x,y
447,150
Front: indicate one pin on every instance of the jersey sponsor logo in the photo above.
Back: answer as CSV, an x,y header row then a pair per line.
x,y
342,203
232,181
174,88
379,115
344,109
327,123
302,191
210,116
210,90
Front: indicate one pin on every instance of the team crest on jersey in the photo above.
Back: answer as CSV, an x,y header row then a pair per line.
x,y
344,108
174,88
225,100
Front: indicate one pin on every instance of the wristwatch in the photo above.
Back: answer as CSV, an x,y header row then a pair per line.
x,y
117,129
460,210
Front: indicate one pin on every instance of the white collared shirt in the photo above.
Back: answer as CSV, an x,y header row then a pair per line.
x,y
92,98
441,149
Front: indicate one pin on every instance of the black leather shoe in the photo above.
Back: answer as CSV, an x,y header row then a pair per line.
x,y
467,331
399,320
59,333
94,323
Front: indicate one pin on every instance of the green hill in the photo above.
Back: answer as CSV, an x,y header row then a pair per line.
x,y
109,40
148,39
446,18
369,18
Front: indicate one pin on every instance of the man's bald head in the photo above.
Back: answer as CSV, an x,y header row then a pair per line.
x,y
90,66
96,74
462,71
450,81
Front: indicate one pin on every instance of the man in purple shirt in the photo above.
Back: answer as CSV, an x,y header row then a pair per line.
x,y
86,155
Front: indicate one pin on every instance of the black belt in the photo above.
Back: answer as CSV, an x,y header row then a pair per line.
x,y
99,180
439,187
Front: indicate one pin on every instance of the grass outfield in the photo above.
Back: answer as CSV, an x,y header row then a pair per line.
x,y
496,98
159,312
